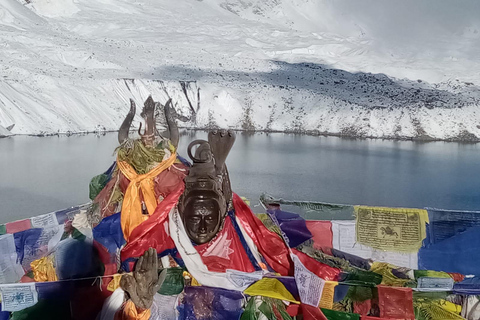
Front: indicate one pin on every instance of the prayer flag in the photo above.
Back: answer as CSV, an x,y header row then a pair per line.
x,y
391,229
321,233
270,287
18,226
395,302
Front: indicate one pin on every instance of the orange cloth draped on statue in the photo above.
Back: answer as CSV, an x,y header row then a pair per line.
x,y
128,311
132,215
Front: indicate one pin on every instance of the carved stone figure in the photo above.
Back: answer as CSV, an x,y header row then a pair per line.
x,y
148,113
139,160
142,285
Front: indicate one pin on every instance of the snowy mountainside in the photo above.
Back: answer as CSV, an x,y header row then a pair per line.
x,y
279,65
375,36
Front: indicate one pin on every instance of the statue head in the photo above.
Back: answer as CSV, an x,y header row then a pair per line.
x,y
148,137
207,196
202,217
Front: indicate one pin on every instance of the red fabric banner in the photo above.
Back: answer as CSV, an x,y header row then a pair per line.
x,y
153,232
322,233
395,302
225,251
362,308
312,313
269,244
17,226
457,277
320,269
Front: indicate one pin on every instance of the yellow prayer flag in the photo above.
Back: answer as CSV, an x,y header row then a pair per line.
x,y
272,288
246,201
114,283
388,278
188,276
450,306
391,229
327,295
441,309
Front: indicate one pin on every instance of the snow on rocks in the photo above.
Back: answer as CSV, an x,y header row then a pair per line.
x,y
4,132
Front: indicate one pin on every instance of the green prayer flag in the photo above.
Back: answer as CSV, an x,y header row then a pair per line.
x,y
259,306
171,281
310,210
430,273
338,315
44,309
250,311
97,184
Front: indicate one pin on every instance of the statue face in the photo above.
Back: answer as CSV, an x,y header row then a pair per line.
x,y
202,220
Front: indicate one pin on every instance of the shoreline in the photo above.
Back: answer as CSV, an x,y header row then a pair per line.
x,y
462,139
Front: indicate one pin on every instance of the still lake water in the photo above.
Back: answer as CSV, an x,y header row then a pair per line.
x,y
43,174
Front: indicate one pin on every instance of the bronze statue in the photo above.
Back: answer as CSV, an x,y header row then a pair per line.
x,y
208,195
203,205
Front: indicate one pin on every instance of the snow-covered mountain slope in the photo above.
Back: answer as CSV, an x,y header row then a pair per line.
x,y
369,68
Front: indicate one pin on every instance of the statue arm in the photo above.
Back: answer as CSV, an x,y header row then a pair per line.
x,y
140,287
170,116
125,127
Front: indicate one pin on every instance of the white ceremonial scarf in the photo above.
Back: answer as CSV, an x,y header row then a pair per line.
x,y
231,280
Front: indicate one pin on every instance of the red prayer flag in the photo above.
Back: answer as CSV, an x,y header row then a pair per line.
x,y
322,233
17,226
312,313
269,244
457,277
362,308
320,269
395,302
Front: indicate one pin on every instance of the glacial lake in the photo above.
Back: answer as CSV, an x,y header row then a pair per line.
x,y
43,174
